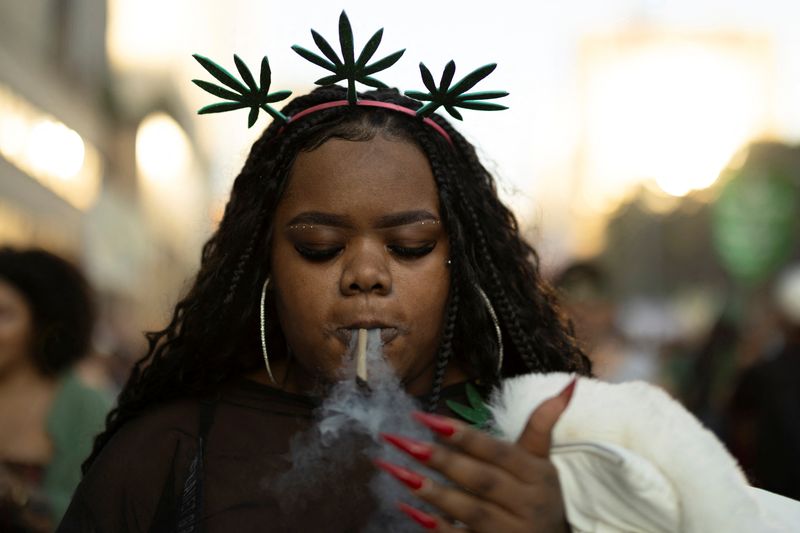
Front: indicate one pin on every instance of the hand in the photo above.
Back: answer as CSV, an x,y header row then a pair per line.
x,y
496,485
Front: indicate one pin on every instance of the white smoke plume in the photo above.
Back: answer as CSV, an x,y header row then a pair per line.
x,y
333,459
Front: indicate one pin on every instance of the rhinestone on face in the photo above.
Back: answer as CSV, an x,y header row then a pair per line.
x,y
302,226
311,226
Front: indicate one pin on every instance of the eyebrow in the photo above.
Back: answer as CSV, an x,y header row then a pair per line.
x,y
339,221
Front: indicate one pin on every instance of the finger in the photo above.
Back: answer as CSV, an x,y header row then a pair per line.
x,y
483,447
482,479
477,515
427,521
537,434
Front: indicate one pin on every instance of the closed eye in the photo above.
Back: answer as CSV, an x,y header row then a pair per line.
x,y
325,254
412,251
318,254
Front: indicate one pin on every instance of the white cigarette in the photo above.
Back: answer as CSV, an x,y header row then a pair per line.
x,y
361,355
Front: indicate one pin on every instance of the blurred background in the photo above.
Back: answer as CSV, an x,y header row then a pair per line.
x,y
650,153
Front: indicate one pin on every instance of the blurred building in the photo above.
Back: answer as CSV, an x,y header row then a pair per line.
x,y
115,186
52,123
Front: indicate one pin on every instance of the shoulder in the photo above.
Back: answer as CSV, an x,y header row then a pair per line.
x,y
142,464
147,448
77,413
78,407
156,431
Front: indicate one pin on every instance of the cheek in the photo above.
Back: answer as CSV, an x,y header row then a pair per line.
x,y
15,337
298,299
291,282
302,297
302,325
426,305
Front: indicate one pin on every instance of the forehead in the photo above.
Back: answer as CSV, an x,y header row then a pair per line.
x,y
375,176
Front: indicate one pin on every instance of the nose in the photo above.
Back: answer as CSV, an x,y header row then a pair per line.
x,y
366,270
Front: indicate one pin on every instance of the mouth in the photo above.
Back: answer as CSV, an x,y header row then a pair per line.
x,y
346,333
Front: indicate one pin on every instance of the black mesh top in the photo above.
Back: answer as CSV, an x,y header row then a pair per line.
x,y
210,466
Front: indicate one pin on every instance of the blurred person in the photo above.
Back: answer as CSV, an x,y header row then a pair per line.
x,y
706,386
586,300
764,412
621,340
584,291
48,417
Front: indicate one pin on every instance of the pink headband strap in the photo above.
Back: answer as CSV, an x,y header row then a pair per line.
x,y
371,103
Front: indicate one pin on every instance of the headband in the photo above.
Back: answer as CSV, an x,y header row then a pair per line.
x,y
256,96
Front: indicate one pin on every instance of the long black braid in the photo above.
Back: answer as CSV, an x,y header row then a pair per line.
x,y
526,305
445,353
213,334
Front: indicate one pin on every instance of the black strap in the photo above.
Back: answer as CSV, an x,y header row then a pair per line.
x,y
190,512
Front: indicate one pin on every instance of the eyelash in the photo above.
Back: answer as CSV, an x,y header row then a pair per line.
x,y
412,252
329,253
317,255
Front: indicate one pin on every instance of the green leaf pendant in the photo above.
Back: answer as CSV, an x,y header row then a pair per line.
x,y
477,413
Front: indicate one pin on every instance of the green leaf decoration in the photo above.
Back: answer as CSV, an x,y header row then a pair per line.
x,y
348,67
247,94
456,96
476,413
221,107
244,72
326,49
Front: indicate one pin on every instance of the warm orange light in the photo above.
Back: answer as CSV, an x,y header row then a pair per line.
x,y
171,189
163,151
49,151
672,109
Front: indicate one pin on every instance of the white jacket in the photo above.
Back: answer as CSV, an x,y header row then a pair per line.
x,y
630,458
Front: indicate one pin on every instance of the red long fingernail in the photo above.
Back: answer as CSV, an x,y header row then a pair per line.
x,y
566,393
423,519
411,479
439,424
416,449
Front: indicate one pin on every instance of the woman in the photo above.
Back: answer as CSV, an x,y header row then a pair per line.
x,y
364,259
353,217
47,416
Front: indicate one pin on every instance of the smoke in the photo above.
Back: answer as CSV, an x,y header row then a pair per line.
x,y
332,461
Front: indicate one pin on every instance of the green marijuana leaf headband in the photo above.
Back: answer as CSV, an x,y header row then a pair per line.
x,y
249,94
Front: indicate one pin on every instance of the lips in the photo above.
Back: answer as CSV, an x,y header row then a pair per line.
x,y
345,334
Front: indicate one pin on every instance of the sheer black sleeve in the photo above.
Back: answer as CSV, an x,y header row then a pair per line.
x,y
136,482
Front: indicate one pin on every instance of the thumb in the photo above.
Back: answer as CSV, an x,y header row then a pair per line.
x,y
536,435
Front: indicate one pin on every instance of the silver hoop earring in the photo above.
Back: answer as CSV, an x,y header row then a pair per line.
x,y
264,330
496,322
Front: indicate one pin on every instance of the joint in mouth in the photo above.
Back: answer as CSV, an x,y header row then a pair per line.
x,y
362,376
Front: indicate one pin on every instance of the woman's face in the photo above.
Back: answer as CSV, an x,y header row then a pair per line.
x,y
358,243
16,329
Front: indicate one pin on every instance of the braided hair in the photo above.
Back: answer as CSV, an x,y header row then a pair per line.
x,y
213,334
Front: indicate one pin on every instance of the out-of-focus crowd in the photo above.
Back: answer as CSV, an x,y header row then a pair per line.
x,y
740,374
49,413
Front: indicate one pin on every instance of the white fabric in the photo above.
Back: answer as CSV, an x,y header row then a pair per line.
x,y
630,458
780,509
